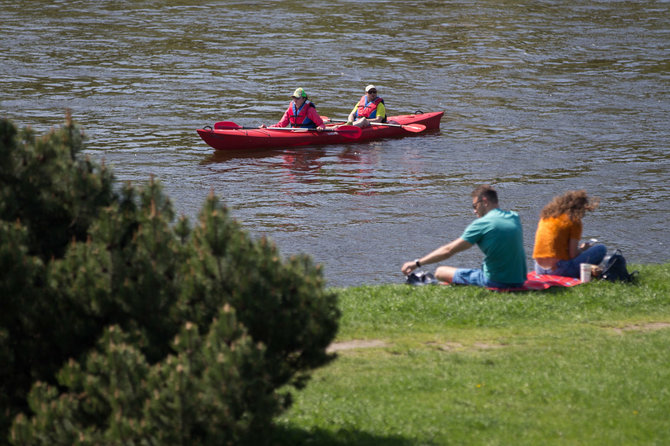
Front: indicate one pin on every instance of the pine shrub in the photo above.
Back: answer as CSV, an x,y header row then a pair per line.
x,y
120,325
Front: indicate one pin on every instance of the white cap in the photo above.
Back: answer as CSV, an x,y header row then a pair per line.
x,y
370,87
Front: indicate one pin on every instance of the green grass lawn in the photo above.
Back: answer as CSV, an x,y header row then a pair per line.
x,y
589,365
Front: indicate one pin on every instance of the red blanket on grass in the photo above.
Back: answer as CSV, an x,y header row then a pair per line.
x,y
536,281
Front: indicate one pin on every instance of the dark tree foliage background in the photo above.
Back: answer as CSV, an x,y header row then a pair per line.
x,y
120,325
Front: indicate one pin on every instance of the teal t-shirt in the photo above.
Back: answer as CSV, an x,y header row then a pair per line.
x,y
500,236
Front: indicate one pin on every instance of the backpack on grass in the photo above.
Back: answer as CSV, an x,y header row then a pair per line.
x,y
614,269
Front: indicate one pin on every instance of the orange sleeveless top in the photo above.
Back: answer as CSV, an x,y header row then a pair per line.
x,y
553,235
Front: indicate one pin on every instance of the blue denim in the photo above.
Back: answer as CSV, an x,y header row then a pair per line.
x,y
570,268
475,276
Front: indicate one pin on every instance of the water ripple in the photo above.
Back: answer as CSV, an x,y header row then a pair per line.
x,y
539,98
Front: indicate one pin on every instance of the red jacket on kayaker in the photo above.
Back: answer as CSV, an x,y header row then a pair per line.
x,y
370,108
301,113
367,109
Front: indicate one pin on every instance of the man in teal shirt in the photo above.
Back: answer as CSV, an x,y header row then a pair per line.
x,y
498,234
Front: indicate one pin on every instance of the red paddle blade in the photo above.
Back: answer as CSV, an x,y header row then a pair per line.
x,y
349,131
226,125
415,128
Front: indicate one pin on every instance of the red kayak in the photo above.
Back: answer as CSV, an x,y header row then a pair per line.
x,y
227,135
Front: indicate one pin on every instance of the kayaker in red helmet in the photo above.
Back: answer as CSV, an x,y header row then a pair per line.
x,y
370,108
301,113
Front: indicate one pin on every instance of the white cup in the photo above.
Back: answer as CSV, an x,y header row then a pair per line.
x,y
585,272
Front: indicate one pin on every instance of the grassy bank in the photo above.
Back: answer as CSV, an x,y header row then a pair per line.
x,y
439,365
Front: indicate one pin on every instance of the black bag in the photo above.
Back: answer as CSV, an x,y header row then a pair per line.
x,y
614,268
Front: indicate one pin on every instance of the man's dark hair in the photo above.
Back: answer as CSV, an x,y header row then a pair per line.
x,y
486,191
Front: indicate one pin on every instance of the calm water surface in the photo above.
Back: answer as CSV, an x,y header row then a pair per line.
x,y
539,97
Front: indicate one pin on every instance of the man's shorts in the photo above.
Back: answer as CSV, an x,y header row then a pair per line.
x,y
475,276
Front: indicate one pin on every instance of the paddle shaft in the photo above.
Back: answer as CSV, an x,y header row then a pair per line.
x,y
230,125
293,129
415,128
348,131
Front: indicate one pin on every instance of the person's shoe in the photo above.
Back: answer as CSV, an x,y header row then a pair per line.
x,y
421,278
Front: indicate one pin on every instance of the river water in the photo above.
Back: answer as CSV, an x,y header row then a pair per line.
x,y
539,97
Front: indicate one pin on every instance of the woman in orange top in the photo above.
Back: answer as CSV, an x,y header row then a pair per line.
x,y
558,232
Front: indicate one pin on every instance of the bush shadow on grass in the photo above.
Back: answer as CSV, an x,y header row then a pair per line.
x,y
285,436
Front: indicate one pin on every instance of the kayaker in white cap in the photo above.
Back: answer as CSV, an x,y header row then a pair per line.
x,y
301,113
370,108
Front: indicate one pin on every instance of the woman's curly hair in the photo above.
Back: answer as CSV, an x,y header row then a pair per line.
x,y
574,203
